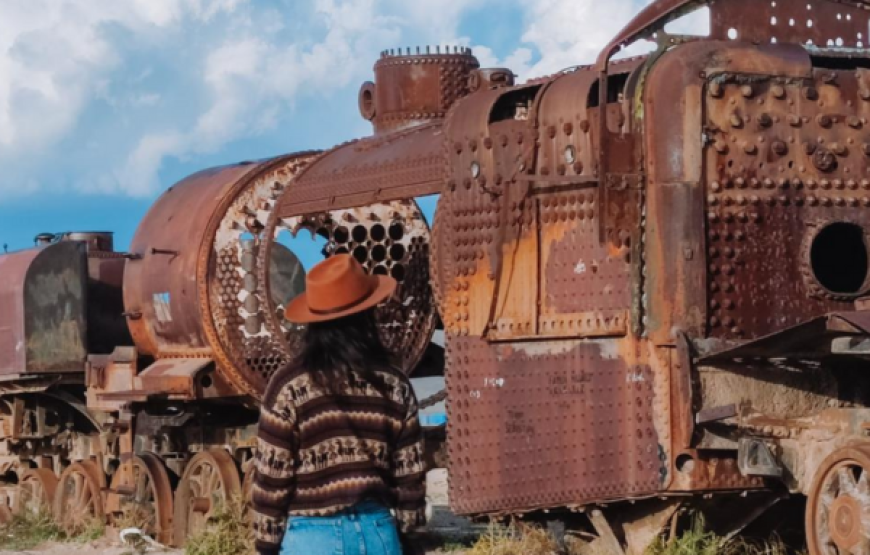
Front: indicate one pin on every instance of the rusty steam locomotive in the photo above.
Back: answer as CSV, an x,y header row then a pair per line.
x,y
651,276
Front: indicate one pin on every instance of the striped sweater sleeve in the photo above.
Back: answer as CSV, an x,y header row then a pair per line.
x,y
274,479
409,469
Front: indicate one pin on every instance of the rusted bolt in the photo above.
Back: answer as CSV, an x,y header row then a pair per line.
x,y
746,91
736,121
716,90
824,160
823,120
810,93
764,120
780,148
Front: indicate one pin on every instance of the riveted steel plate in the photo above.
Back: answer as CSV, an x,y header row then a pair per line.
x,y
547,424
785,159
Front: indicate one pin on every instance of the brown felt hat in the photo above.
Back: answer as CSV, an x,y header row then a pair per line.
x,y
338,287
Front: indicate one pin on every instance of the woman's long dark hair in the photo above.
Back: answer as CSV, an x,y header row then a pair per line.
x,y
333,349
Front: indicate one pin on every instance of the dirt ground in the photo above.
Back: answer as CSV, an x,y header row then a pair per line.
x,y
442,524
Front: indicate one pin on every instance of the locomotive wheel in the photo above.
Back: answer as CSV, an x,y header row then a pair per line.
x,y
36,489
77,499
147,499
838,515
210,479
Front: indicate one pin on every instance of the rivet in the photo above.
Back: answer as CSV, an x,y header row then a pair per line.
x,y
823,120
810,93
746,91
829,78
780,148
715,186
764,120
794,121
749,148
854,122
716,90
568,128
837,183
736,121
865,94
740,182
809,148
838,149
551,131
721,147
487,143
778,91
866,148
584,125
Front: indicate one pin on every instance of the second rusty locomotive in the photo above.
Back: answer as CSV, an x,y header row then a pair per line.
x,y
650,273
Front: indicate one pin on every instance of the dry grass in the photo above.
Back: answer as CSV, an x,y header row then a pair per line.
x,y
698,541
516,539
226,533
28,530
525,539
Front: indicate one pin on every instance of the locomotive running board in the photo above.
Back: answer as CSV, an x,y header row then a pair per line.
x,y
835,334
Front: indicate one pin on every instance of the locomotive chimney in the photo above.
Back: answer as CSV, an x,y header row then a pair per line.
x,y
414,88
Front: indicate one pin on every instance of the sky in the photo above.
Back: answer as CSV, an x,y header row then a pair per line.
x,y
106,103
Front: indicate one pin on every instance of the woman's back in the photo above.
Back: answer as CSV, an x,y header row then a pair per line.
x,y
325,448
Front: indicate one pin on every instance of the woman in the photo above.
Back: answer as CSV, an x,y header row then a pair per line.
x,y
339,440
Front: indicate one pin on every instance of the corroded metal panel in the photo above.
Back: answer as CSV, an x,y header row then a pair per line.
x,y
401,165
785,161
43,310
547,424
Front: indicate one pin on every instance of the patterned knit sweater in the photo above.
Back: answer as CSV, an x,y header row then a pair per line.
x,y
320,452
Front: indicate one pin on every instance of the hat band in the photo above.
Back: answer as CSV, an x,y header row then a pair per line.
x,y
371,289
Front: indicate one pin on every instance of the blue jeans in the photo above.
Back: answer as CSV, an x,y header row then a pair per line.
x,y
367,528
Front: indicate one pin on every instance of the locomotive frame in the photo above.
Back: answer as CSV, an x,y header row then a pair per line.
x,y
652,276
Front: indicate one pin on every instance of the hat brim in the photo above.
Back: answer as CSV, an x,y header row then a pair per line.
x,y
299,312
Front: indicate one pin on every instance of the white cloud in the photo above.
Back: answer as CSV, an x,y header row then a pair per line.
x,y
107,92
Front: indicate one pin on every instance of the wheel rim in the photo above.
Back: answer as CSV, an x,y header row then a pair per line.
x,y
210,478
36,490
838,513
146,501
77,501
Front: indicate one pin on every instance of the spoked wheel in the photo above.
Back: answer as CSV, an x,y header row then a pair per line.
x,y
838,507
210,480
77,499
145,496
35,492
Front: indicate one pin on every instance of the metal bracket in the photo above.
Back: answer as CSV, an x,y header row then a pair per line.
x,y
754,458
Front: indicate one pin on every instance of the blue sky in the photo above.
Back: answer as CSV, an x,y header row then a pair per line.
x,y
106,103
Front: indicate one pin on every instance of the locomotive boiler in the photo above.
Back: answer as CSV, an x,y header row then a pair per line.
x,y
651,274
